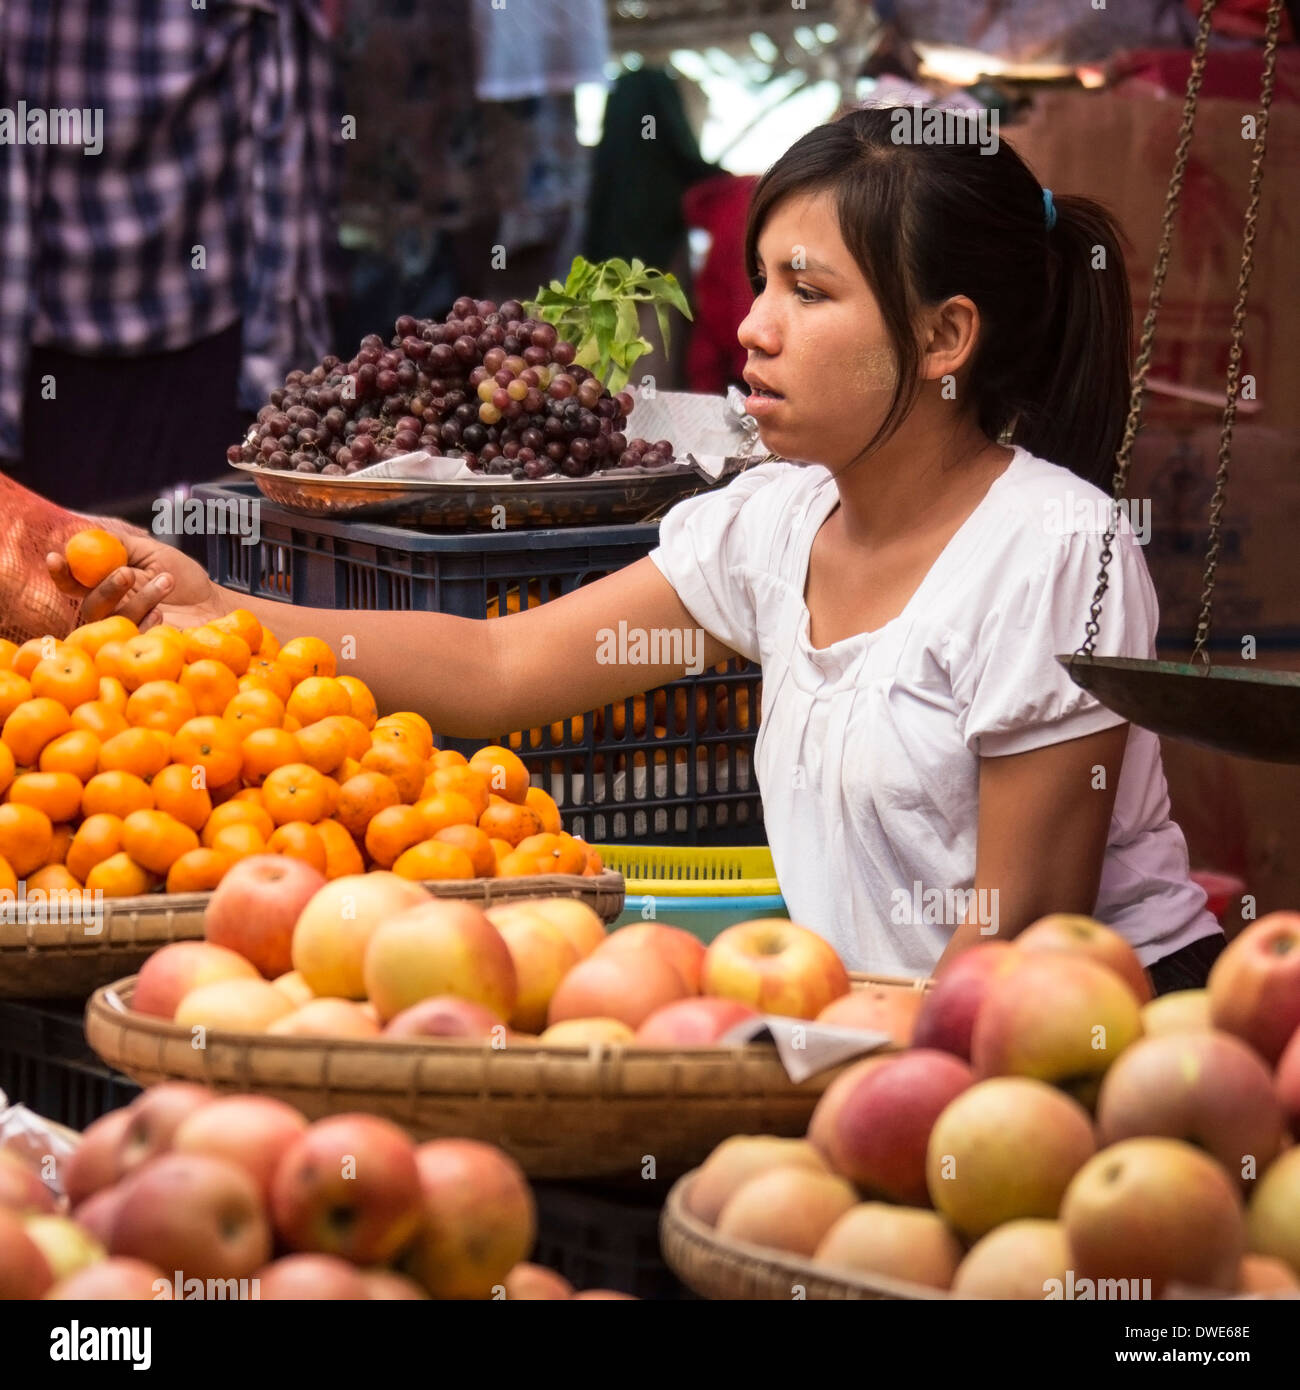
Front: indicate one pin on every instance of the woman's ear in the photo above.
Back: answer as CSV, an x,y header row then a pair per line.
x,y
948,336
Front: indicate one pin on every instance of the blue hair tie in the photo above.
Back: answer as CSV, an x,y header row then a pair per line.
x,y
1049,209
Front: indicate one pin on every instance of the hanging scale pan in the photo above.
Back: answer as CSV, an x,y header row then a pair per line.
x,y
1239,710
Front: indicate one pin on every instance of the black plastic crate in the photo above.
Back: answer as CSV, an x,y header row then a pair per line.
x,y
614,778
600,1238
47,1065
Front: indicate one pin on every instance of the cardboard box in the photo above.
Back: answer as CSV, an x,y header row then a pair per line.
x,y
1119,149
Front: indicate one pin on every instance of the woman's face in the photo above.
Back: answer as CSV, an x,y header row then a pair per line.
x,y
815,340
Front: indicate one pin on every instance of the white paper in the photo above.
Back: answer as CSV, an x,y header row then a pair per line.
x,y
807,1048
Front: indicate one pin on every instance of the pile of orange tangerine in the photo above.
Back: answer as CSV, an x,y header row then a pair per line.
x,y
134,761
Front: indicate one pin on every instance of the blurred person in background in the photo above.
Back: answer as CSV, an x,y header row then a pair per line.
x,y
153,292
466,142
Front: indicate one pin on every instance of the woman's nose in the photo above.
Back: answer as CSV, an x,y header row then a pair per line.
x,y
757,331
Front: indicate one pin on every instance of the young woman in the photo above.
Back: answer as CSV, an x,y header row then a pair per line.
x,y
904,577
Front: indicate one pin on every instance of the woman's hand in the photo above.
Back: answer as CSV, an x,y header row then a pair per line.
x,y
155,574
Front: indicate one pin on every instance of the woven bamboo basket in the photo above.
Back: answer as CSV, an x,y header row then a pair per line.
x,y
63,960
562,1112
717,1268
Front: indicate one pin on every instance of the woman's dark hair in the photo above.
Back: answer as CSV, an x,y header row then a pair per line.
x,y
928,221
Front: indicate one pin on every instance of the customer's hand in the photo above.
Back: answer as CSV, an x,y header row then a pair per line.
x,y
157,584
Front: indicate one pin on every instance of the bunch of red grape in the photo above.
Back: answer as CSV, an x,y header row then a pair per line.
x,y
487,385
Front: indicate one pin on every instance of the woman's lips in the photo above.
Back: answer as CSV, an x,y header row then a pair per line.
x,y
761,402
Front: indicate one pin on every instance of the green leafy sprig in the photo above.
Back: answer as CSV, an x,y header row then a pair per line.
x,y
596,310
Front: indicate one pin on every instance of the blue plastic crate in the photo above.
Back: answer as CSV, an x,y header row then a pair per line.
x,y
693,785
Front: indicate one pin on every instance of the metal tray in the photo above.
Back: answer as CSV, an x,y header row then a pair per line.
x,y
489,502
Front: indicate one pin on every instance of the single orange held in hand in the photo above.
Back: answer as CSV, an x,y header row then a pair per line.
x,y
364,796
69,678
298,840
392,831
32,725
156,840
211,743
175,792
25,838
198,871
307,656
432,859
58,794
93,555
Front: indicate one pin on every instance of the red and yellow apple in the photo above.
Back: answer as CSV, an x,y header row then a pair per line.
x,y
235,1006
93,1164
1076,935
536,1284
439,947
193,1213
1155,1209
66,1245
293,984
786,1208
117,1279
1254,985
1005,1149
24,1271
1057,1017
445,1016
776,966
872,1124
948,1009
684,952
326,1018
479,1219
543,956
1273,1217
893,1243
21,1188
309,1277
334,929
1287,1079
696,1022
1018,1259
583,1032
890,1009
253,1132
154,1119
740,1158
254,909
580,923
348,1186
628,984
1181,1011
176,969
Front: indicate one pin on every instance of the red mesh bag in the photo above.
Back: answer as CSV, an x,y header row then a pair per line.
x,y
30,602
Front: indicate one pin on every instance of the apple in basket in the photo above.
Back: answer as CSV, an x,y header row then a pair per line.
x,y
627,985
1181,1011
254,1132
684,952
66,1245
580,923
947,1014
310,1278
118,1278
776,966
95,1163
1273,1218
181,966
890,1009
543,955
1016,1260
445,1016
154,1119
255,907
693,1022
1255,984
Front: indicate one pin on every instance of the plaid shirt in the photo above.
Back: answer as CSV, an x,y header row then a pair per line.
x,y
220,130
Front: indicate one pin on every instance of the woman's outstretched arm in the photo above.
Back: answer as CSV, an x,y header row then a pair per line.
x,y
471,678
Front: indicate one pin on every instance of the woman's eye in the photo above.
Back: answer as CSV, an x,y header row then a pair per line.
x,y
807,296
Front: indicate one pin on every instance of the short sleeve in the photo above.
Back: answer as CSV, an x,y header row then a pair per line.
x,y
710,544
1014,695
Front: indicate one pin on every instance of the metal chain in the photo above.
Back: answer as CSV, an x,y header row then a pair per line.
x,y
1143,362
1238,329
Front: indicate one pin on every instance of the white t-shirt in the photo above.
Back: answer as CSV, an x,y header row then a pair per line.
x,y
868,751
